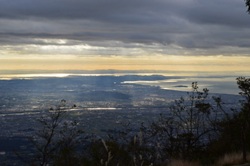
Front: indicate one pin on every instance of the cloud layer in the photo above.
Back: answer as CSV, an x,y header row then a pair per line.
x,y
131,27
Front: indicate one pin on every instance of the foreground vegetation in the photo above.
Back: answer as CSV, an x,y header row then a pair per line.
x,y
195,130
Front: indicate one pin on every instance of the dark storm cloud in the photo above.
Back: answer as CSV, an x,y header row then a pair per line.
x,y
222,12
186,24
110,10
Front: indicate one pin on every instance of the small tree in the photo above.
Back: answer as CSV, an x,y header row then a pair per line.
x,y
186,129
55,141
234,130
244,115
44,140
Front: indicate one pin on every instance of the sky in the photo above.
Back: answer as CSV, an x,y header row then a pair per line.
x,y
173,35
